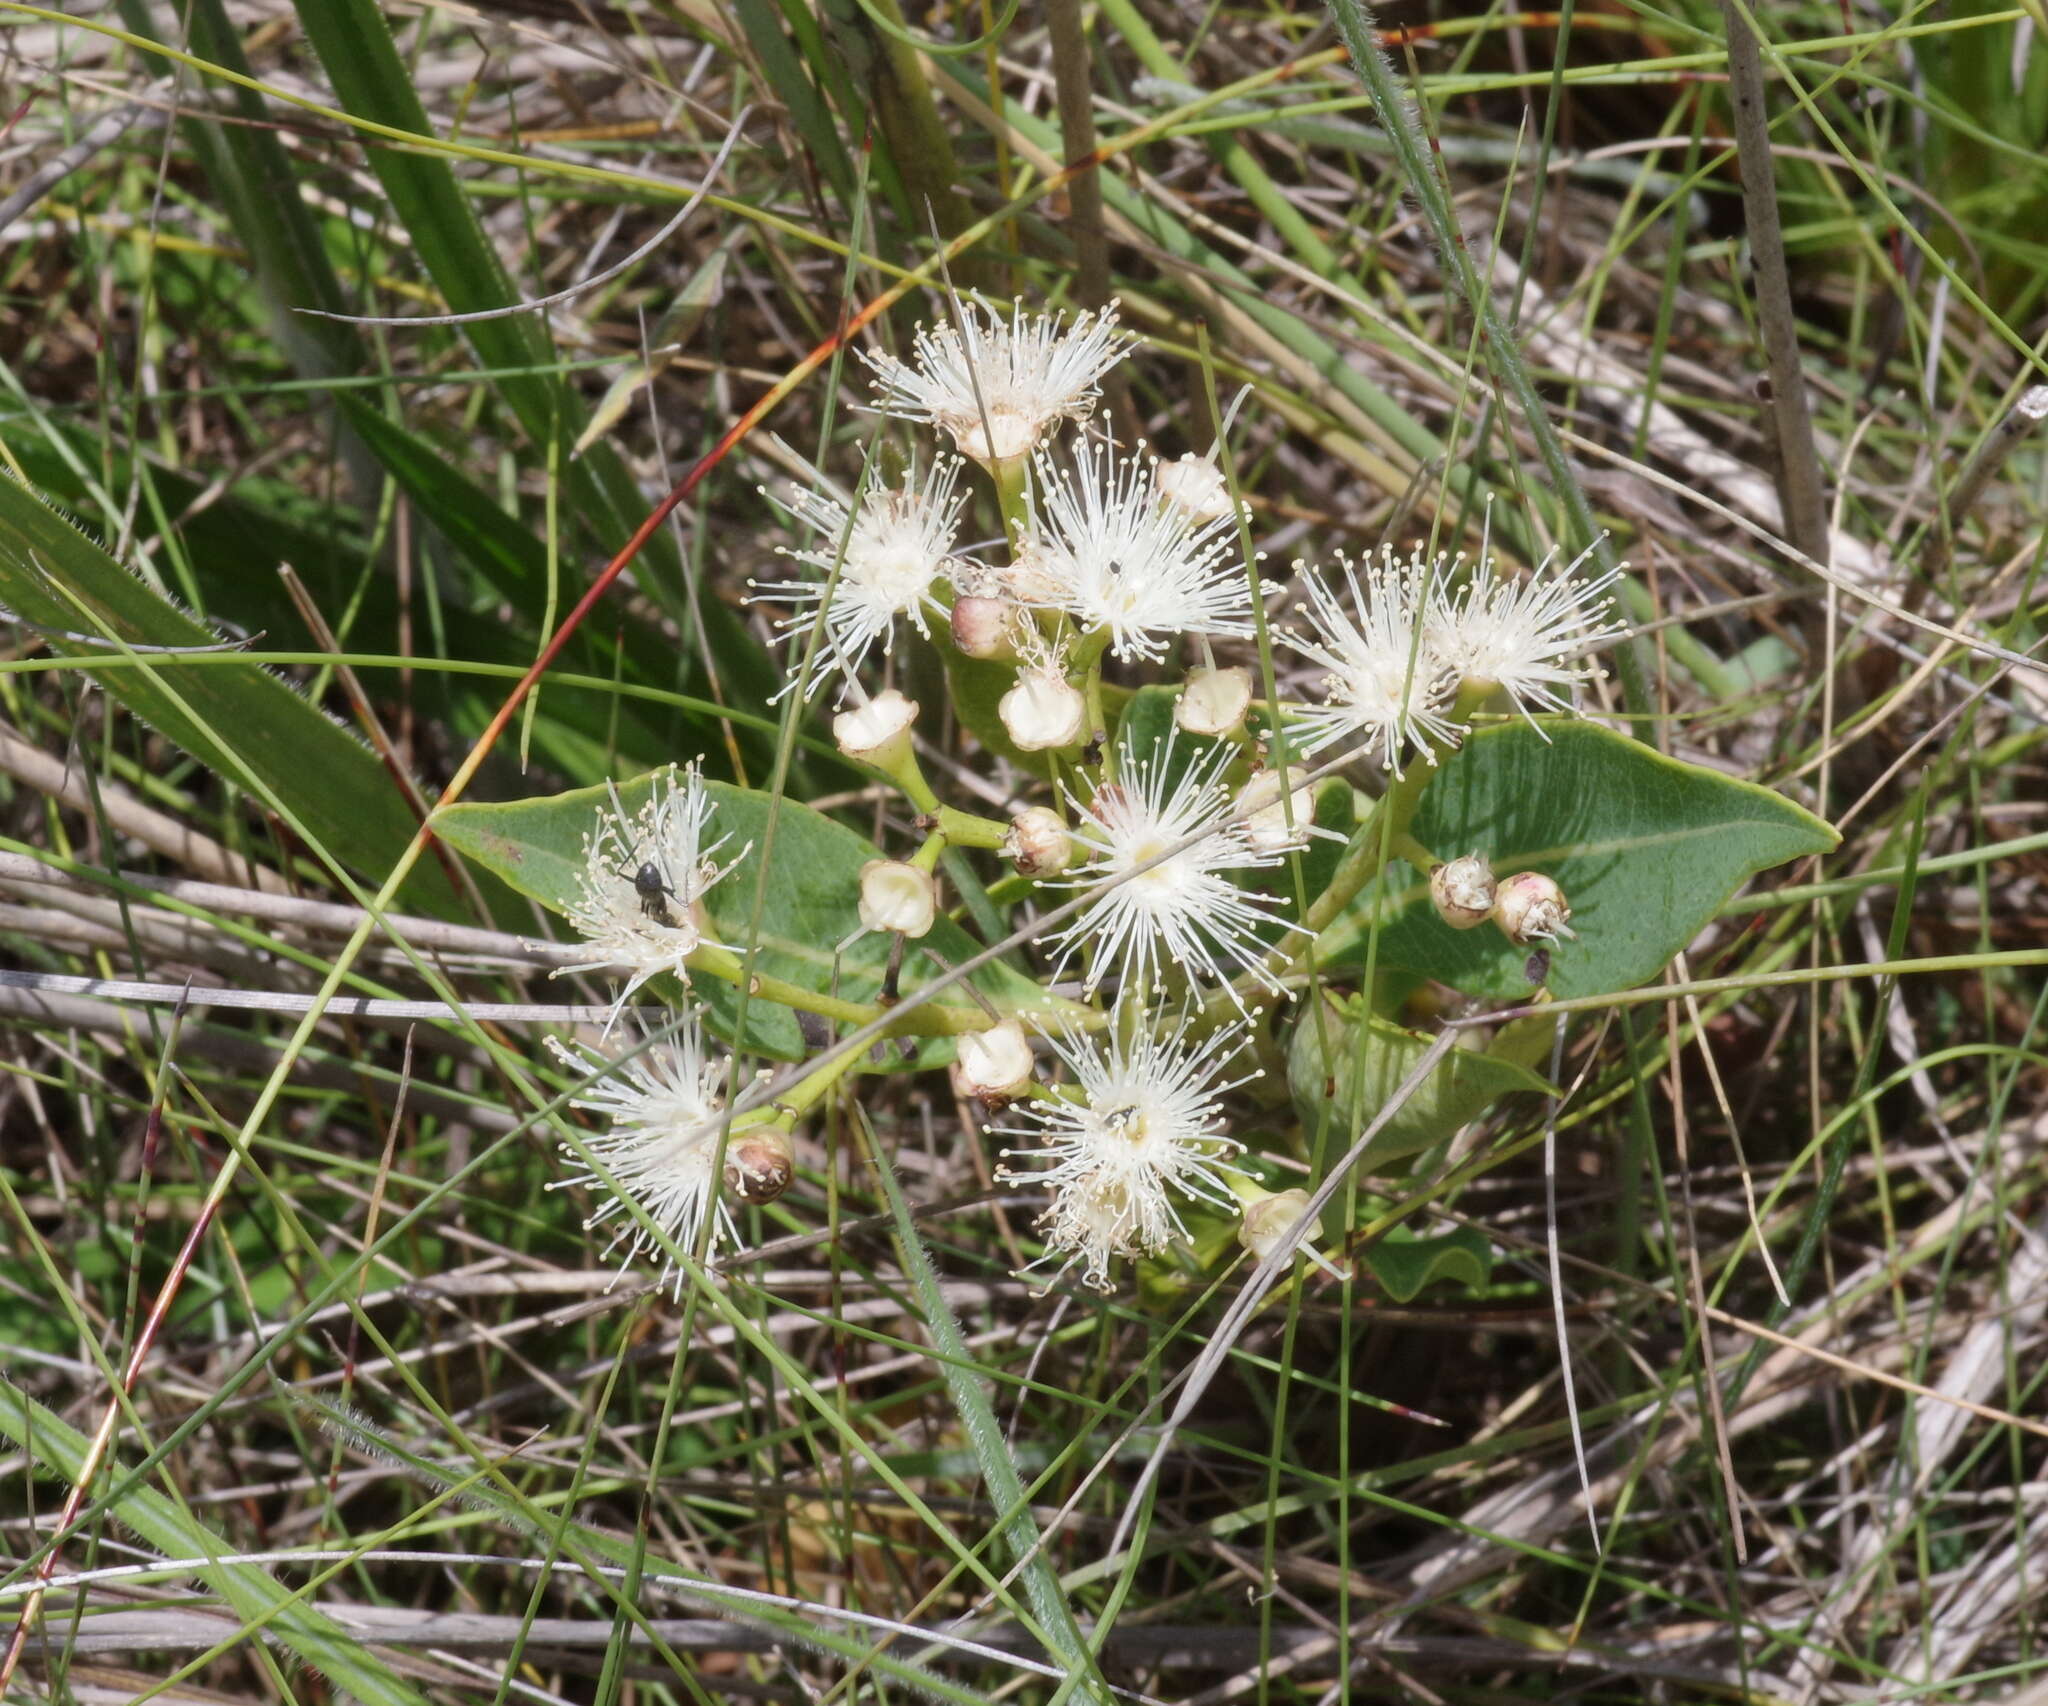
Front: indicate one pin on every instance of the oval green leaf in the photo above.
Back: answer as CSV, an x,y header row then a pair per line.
x,y
1647,849
1343,1065
1404,1263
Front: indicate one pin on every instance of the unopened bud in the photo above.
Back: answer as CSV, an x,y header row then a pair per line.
x,y
1044,710
1532,908
985,627
1266,827
897,897
1195,485
760,1162
993,1064
1039,843
1268,1219
1213,701
1464,891
878,732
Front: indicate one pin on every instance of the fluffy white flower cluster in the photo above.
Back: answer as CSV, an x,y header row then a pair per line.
x,y
1108,555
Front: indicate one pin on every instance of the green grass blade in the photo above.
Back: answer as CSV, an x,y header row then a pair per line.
x,y
239,721
255,1596
1006,1487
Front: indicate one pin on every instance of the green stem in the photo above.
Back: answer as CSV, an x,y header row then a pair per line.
x,y
1009,478
964,829
928,1019
1364,859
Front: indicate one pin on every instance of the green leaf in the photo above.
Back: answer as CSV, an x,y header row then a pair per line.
x,y
976,687
1647,850
1404,1263
268,1609
1335,812
810,921
1343,1065
1147,726
237,719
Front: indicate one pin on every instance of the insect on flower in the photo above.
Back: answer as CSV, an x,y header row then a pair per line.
x,y
1107,548
644,876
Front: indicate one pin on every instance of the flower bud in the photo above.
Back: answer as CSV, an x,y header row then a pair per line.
x,y
1039,843
1532,908
1043,711
760,1162
1195,486
1213,701
985,627
878,732
993,1064
898,897
1464,891
1266,826
1268,1219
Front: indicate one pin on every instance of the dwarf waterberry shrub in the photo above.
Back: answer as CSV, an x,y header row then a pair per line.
x,y
1184,881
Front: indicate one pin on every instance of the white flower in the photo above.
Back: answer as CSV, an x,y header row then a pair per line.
x,y
1183,913
1383,679
1107,548
900,543
1145,1131
1195,484
1521,636
643,879
665,1109
1043,710
997,385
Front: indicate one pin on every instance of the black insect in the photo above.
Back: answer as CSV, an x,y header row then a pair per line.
x,y
654,893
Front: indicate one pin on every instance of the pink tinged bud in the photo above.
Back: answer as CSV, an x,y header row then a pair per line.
x,y
1195,485
897,897
1269,1220
985,627
1214,701
1532,908
993,1064
759,1164
878,732
1039,843
1464,891
1043,711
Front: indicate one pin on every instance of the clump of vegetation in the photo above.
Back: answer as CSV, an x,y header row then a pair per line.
x,y
1129,853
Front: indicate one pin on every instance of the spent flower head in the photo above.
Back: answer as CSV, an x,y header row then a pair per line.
x,y
1183,911
664,1108
1523,637
997,385
1382,678
638,901
1139,1132
899,544
1105,546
